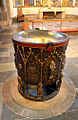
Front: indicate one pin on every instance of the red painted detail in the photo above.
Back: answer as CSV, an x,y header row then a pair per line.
x,y
47,48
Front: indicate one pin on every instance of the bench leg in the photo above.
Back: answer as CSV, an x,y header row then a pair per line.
x,y
32,25
42,26
61,25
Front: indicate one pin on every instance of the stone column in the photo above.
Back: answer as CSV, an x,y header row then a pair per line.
x,y
5,19
8,8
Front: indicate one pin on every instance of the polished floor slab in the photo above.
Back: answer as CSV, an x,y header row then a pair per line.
x,y
71,71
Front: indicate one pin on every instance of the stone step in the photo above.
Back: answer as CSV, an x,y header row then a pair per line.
x,y
5,23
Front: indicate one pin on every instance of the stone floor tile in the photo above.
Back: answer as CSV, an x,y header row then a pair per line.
x,y
53,118
4,67
1,102
72,71
77,90
75,104
6,59
7,75
9,115
3,50
8,45
71,61
71,115
4,54
26,119
76,65
1,42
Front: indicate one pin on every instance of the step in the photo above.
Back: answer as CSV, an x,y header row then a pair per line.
x,y
5,23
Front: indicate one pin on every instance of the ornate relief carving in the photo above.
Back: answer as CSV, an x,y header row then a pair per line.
x,y
36,66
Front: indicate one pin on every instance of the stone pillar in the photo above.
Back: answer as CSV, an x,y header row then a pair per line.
x,y
5,15
8,8
1,3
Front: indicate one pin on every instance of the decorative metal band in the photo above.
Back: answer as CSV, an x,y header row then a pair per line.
x,y
39,45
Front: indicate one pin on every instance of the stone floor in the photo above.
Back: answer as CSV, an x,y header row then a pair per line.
x,y
8,71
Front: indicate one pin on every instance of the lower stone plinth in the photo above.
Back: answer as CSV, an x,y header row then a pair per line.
x,y
32,109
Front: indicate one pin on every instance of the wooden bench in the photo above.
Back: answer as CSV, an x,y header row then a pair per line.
x,y
55,20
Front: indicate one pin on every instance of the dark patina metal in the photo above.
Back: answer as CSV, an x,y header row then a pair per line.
x,y
39,59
